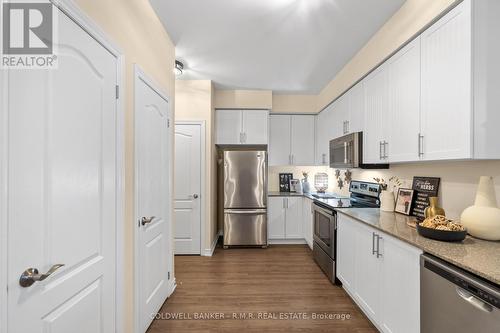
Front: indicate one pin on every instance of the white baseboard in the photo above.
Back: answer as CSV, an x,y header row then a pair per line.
x,y
172,287
209,252
286,241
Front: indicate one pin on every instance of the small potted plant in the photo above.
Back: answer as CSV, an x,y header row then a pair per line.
x,y
387,198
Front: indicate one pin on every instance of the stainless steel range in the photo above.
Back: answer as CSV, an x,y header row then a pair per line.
x,y
362,195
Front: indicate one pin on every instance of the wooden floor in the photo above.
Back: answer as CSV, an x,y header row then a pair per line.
x,y
263,283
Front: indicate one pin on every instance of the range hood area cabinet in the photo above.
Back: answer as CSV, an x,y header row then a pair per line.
x,y
241,127
439,93
291,139
343,116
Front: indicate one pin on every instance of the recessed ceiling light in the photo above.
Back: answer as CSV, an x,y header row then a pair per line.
x,y
179,67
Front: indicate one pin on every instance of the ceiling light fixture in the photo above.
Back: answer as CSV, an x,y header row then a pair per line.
x,y
179,66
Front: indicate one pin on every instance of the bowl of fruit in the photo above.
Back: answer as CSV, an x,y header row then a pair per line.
x,y
441,228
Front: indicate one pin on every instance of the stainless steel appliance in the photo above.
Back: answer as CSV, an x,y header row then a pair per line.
x,y
362,195
454,300
346,152
243,196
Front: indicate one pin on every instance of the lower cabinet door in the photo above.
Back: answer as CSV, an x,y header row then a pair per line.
x,y
346,246
293,218
276,218
400,287
367,272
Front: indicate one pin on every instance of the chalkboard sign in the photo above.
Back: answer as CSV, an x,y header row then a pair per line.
x,y
285,181
424,188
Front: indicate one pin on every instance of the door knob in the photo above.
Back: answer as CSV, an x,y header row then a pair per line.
x,y
31,275
195,196
147,220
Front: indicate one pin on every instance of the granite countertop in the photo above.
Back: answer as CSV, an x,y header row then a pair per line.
x,y
290,194
477,256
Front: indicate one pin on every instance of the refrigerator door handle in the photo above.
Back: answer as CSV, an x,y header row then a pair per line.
x,y
246,211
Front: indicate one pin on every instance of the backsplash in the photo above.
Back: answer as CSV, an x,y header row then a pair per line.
x,y
458,179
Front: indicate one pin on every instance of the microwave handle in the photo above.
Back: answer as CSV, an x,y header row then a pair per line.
x,y
345,152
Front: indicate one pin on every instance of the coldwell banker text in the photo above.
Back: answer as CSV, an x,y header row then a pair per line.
x,y
28,35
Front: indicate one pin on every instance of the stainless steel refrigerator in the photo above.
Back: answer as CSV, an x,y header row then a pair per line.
x,y
243,197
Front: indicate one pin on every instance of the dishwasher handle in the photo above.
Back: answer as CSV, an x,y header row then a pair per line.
x,y
474,301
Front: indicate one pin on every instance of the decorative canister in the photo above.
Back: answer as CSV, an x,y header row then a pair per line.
x,y
387,201
483,219
433,209
306,187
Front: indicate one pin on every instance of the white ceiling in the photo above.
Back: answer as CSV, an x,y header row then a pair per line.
x,y
288,46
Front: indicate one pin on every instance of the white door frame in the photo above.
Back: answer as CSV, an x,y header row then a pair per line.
x,y
140,75
203,177
90,27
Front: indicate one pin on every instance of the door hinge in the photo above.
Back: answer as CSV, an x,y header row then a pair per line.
x,y
117,91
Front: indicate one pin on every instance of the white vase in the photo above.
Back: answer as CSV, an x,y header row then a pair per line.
x,y
306,187
387,201
483,219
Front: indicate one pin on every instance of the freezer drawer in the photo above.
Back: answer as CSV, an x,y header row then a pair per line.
x,y
245,227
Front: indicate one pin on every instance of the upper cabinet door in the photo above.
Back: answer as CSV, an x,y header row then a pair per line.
x,y
279,140
255,128
324,122
404,103
340,117
302,133
228,127
446,86
356,119
376,89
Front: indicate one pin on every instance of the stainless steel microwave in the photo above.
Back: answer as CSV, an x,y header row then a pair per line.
x,y
346,152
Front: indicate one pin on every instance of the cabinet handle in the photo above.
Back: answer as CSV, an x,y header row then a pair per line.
x,y
283,203
348,126
378,246
345,152
380,150
323,159
287,203
293,159
245,137
373,243
385,149
420,145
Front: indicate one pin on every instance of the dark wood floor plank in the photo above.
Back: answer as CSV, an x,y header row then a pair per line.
x,y
276,281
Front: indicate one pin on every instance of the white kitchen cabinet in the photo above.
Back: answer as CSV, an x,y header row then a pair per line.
x,y
293,218
376,88
279,140
400,311
302,139
381,273
324,122
291,140
340,124
234,127
346,240
255,127
404,104
447,87
276,218
284,220
307,218
356,108
367,272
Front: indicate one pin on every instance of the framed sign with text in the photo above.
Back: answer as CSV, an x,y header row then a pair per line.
x,y
424,187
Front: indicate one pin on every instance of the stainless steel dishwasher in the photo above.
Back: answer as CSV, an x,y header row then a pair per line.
x,y
453,300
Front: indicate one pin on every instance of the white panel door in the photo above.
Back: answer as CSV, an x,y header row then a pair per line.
x,y
404,103
400,278
276,218
152,201
279,140
376,116
367,270
293,218
447,86
187,202
302,140
228,127
255,127
346,247
62,189
356,108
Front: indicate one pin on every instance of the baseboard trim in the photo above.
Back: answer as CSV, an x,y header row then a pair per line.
x,y
172,287
286,241
209,252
